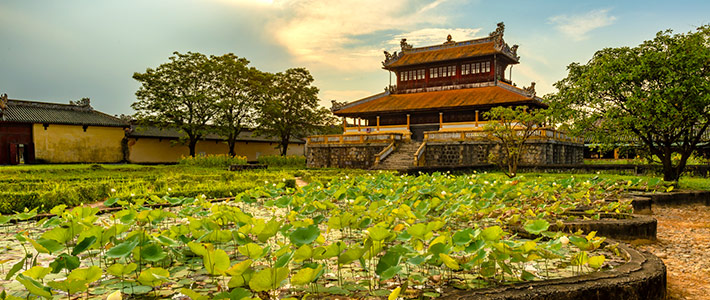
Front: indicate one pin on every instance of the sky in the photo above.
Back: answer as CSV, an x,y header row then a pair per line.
x,y
57,51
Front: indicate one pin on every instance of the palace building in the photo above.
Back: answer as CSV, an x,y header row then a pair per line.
x,y
434,115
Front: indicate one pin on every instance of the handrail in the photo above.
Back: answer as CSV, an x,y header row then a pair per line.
x,y
384,153
364,138
419,153
477,134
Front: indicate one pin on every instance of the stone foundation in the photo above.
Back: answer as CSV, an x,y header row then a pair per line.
x,y
476,153
342,156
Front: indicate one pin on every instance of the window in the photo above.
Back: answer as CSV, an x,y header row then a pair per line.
x,y
433,73
452,71
420,74
465,69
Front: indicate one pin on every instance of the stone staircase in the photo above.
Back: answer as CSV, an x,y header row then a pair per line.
x,y
401,159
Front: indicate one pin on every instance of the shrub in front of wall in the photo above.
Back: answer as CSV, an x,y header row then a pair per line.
x,y
292,161
213,161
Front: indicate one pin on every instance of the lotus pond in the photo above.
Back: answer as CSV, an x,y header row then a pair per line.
x,y
374,235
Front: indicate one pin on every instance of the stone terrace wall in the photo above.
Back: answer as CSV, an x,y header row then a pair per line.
x,y
342,156
476,153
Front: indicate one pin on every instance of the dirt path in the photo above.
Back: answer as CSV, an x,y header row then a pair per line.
x,y
684,245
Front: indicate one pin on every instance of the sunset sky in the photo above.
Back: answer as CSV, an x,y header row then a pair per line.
x,y
58,51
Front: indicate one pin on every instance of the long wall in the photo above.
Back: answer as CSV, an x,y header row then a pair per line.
x,y
154,150
71,144
343,156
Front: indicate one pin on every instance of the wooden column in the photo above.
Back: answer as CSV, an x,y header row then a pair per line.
x,y
441,120
407,121
476,118
345,125
378,123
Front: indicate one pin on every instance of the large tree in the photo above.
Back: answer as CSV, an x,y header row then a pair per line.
x,y
656,95
291,110
238,89
177,94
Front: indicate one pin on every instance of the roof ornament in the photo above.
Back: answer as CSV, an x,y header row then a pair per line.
x,y
514,49
335,105
448,40
499,30
530,90
83,103
390,57
404,45
3,101
3,105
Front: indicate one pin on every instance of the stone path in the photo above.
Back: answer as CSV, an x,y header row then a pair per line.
x,y
684,245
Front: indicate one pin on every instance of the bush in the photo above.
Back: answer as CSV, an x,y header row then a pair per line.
x,y
295,161
213,161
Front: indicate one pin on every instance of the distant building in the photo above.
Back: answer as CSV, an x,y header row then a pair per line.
x,y
41,132
435,110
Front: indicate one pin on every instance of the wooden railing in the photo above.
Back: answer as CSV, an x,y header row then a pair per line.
x,y
353,138
375,129
384,153
418,161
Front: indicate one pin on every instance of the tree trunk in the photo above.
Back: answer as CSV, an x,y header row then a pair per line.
x,y
192,145
231,143
284,146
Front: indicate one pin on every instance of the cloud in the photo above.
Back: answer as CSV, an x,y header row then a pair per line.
x,y
432,36
577,26
343,95
347,34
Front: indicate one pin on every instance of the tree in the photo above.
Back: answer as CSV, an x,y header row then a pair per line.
x,y
292,109
512,127
656,94
238,90
177,94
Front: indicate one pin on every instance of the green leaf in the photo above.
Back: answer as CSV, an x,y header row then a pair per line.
x,y
251,250
537,226
462,238
122,249
268,279
239,268
306,275
304,235
216,262
119,269
449,262
493,233
378,233
51,245
235,294
283,260
35,287
596,262
64,261
72,286
152,252
302,253
153,276
83,245
37,272
89,274
390,259
15,268
271,228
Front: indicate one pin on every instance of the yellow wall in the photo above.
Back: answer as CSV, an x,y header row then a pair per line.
x,y
153,150
70,144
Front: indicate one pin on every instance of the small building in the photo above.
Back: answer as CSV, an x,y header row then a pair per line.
x,y
149,144
41,132
434,115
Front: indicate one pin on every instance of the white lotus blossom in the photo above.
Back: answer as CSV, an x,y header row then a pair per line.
x,y
443,193
113,190
564,240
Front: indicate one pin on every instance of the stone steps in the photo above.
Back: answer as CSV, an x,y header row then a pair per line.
x,y
401,159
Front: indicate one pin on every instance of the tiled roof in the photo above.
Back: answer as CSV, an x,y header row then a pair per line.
x,y
22,111
138,131
453,51
486,96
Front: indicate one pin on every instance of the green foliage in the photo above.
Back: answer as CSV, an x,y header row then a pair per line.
x,y
212,161
656,95
289,161
292,109
512,127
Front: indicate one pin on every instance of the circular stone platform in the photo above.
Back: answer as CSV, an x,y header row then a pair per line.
x,y
643,277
